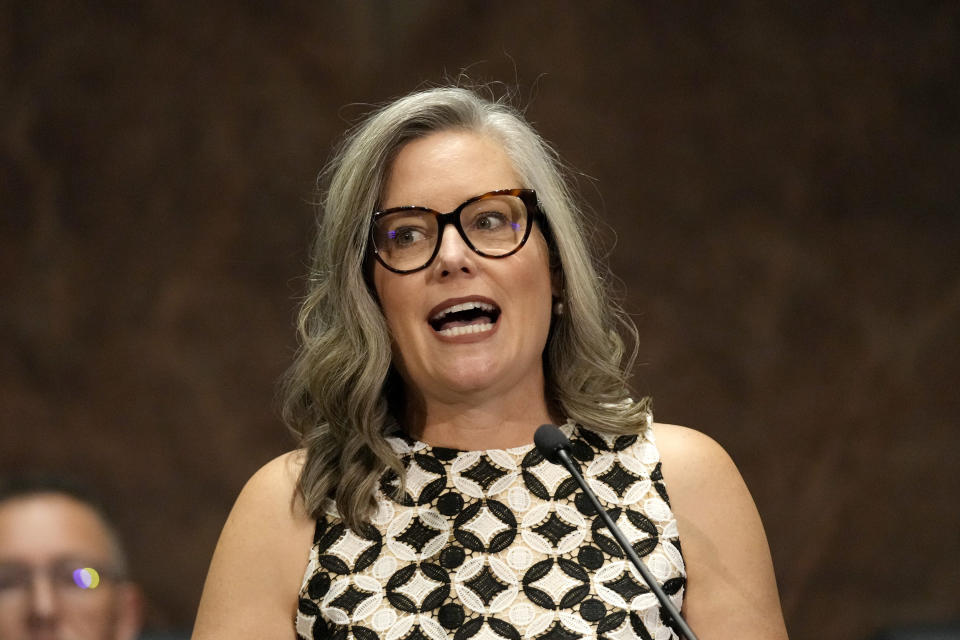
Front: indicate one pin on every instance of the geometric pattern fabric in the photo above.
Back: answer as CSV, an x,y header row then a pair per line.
x,y
500,544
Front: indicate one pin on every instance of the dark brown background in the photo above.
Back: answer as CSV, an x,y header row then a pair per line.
x,y
781,184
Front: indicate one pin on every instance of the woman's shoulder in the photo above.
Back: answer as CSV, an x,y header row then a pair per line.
x,y
700,475
690,451
731,588
675,434
270,504
277,479
258,565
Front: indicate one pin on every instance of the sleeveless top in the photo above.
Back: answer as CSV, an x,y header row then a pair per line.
x,y
500,544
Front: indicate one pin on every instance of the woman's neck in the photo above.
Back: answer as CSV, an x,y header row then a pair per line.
x,y
476,424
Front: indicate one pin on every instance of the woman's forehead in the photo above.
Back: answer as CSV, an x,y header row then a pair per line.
x,y
445,168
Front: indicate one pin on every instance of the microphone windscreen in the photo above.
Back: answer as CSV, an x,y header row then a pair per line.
x,y
549,440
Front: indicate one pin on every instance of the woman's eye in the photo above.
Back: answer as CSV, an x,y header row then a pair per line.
x,y
405,236
489,221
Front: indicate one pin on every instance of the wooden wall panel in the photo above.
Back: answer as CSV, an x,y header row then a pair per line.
x,y
776,186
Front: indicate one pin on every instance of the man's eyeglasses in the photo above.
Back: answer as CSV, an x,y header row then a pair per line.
x,y
66,578
494,225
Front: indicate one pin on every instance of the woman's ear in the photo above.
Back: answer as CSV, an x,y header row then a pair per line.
x,y
556,282
556,265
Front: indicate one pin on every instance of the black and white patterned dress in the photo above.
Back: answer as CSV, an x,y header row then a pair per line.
x,y
500,544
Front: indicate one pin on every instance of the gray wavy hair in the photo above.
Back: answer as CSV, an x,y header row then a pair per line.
x,y
341,394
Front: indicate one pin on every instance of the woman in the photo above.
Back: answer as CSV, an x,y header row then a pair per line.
x,y
453,309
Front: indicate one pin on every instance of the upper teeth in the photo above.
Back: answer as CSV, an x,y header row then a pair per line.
x,y
464,306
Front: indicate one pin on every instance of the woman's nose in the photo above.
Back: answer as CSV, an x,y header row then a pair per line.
x,y
454,254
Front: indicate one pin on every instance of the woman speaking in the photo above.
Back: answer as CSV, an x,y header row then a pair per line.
x,y
453,308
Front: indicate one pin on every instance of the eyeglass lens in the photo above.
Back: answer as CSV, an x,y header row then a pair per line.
x,y
66,578
493,226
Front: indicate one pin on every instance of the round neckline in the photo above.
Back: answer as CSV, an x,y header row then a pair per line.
x,y
418,446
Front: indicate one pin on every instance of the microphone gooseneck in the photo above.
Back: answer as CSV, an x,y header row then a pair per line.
x,y
554,446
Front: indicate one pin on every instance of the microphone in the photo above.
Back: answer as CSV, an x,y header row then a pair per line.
x,y
549,441
555,447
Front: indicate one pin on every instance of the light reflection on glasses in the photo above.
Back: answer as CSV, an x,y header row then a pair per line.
x,y
67,578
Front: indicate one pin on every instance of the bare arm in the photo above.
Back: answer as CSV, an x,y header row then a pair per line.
x,y
731,590
252,587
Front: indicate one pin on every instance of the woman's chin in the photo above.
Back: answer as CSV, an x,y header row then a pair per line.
x,y
470,383
466,377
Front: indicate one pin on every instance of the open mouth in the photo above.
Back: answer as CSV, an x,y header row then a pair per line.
x,y
473,316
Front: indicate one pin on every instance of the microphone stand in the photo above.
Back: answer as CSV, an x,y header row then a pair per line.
x,y
664,599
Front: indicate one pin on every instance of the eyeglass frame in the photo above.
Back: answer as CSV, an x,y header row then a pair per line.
x,y
527,196
26,575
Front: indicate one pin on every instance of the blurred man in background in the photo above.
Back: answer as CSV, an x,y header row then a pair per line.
x,y
62,568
